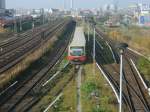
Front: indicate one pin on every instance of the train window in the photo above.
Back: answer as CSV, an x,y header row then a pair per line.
x,y
75,51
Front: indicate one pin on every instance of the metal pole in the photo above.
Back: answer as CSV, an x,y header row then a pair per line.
x,y
15,23
21,23
15,26
94,45
94,53
88,33
121,75
43,16
33,26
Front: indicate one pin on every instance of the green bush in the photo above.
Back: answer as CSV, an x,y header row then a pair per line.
x,y
88,87
100,109
144,66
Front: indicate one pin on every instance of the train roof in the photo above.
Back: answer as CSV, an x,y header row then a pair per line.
x,y
79,37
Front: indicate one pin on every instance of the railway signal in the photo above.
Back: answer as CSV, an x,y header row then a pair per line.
x,y
121,47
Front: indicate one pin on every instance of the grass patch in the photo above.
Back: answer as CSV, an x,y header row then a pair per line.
x,y
144,67
137,37
68,100
89,87
97,96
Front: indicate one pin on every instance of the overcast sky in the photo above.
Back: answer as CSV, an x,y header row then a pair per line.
x,y
59,3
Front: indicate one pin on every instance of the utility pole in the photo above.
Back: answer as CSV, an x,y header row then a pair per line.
x,y
88,32
21,20
21,23
43,18
15,24
94,53
33,26
42,10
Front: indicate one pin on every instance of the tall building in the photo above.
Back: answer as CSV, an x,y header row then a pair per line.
x,y
144,16
72,4
2,4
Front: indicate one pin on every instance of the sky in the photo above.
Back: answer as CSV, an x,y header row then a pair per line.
x,y
60,3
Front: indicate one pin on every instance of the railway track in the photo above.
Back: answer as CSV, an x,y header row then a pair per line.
x,y
61,90
20,36
31,101
18,98
108,72
57,30
135,96
60,52
76,70
17,51
130,96
136,87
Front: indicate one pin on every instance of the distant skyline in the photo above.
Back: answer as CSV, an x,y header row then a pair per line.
x,y
60,3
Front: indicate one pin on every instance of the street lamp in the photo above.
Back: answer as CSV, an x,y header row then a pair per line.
x,y
121,47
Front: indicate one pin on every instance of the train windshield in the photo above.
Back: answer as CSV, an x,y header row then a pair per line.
x,y
75,51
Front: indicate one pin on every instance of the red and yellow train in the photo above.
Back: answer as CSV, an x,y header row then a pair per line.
x,y
77,48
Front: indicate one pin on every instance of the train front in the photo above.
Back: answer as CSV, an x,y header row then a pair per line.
x,y
77,55
77,48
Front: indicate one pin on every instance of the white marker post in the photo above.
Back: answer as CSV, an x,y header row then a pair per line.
x,y
57,98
